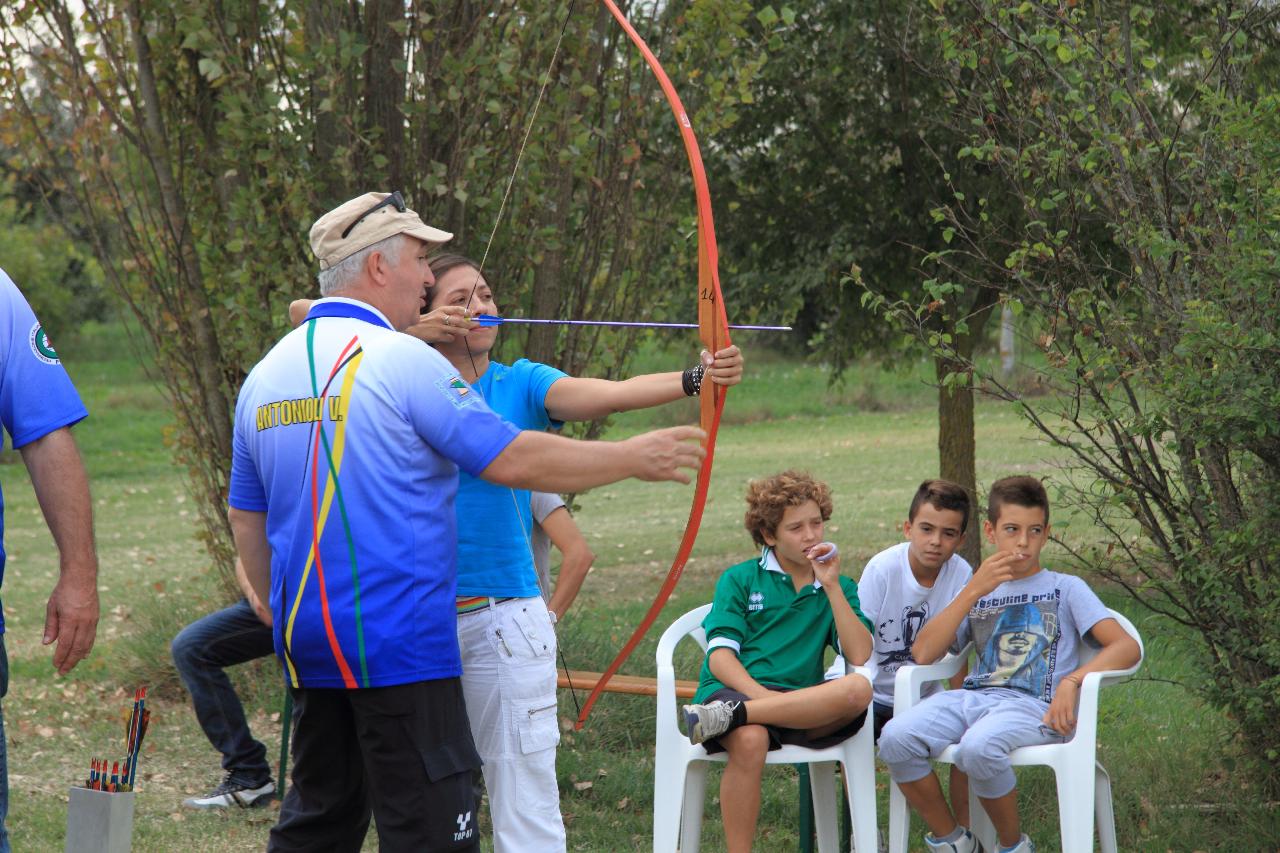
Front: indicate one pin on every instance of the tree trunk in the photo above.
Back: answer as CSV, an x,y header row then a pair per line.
x,y
383,94
957,444
325,20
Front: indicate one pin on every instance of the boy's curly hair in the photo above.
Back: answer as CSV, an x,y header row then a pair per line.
x,y
768,499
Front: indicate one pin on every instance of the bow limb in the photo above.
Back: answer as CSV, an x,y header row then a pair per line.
x,y
713,329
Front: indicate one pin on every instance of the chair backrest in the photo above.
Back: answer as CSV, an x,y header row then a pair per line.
x,y
1088,649
688,625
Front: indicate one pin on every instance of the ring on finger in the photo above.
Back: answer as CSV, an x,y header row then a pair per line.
x,y
448,320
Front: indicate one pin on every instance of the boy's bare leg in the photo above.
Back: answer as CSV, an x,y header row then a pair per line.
x,y
823,708
959,795
925,796
740,785
1003,812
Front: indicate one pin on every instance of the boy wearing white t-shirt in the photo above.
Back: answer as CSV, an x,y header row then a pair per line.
x,y
903,586
907,584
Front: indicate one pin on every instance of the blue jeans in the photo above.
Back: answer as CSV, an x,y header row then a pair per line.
x,y
201,651
4,751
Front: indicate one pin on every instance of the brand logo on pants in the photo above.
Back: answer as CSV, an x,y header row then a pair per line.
x,y
465,829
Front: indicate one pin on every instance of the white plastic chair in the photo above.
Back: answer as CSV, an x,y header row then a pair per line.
x,y
680,767
1084,788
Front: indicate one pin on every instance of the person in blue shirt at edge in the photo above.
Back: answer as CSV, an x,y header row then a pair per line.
x,y
771,621
504,626
348,437
38,406
1027,624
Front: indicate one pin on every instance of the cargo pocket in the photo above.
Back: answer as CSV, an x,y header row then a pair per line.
x,y
539,638
451,808
537,723
450,758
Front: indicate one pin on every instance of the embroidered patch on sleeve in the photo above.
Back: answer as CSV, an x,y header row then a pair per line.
x,y
456,391
40,345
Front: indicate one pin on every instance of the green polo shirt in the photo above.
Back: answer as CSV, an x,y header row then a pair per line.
x,y
779,634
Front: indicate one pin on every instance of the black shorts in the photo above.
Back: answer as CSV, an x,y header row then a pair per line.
x,y
779,735
402,754
882,713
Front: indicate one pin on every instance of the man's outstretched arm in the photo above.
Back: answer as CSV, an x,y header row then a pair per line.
x,y
62,488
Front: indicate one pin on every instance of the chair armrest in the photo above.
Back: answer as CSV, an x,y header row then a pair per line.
x,y
911,678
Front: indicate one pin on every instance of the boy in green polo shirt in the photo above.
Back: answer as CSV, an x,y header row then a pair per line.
x,y
768,630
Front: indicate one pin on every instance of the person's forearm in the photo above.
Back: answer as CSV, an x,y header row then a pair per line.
x,y
246,588
249,529
939,633
573,571
1118,655
574,399
725,666
855,639
62,489
551,463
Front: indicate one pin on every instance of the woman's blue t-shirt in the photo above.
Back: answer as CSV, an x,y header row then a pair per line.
x,y
495,522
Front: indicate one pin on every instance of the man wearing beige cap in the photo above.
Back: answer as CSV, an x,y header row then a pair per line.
x,y
348,440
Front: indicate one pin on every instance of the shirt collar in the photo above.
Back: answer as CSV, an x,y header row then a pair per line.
x,y
342,306
769,562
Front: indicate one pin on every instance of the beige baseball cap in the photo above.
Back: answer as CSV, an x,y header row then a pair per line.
x,y
363,221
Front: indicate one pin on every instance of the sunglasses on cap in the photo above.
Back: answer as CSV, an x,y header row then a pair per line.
x,y
394,200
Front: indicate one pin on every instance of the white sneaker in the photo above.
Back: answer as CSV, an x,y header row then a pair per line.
x,y
1024,845
704,722
231,793
965,844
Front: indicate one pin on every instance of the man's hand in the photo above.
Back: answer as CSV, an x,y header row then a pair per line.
x,y
725,367
1061,716
994,571
444,324
298,309
262,612
71,619
661,454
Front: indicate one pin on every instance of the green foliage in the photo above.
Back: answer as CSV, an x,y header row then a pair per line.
x,y
59,277
191,144
1135,224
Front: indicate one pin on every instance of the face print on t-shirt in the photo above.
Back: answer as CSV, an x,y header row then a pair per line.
x,y
1015,639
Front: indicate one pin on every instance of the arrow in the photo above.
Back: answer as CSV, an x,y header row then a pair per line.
x,y
490,320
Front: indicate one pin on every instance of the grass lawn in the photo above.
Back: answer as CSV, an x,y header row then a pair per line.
x,y
873,440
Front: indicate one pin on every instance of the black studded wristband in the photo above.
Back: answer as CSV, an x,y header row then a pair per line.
x,y
691,380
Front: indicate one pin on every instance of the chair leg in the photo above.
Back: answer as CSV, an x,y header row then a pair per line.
x,y
804,808
899,820
1075,809
822,787
860,800
980,823
669,784
1104,810
695,798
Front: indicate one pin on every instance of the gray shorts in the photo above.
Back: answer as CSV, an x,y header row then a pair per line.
x,y
987,724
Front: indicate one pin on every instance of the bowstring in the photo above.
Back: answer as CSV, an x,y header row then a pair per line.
x,y
511,179
493,233
527,533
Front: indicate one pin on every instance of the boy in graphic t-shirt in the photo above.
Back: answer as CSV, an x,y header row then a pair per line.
x,y
1026,624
